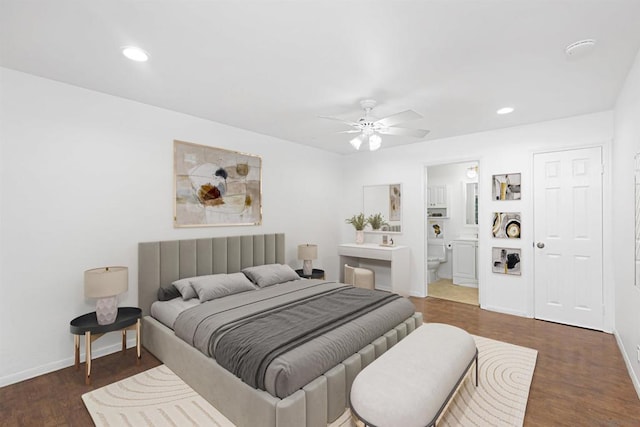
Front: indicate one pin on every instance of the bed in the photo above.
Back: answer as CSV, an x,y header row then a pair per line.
x,y
319,401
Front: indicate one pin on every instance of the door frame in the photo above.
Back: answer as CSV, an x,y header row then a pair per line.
x,y
425,184
608,285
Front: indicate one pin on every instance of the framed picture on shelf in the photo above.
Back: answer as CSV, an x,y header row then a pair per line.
x,y
505,260
215,187
506,187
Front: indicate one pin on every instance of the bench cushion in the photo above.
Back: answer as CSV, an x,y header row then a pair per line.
x,y
409,384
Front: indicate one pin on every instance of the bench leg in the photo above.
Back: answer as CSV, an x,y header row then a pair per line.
x,y
476,368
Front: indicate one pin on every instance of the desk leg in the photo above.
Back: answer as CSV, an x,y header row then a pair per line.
x,y
139,354
87,343
76,348
124,340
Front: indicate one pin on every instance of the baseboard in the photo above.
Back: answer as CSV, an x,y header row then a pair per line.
x,y
61,364
625,356
504,310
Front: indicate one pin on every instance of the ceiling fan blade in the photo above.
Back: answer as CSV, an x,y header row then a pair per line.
x,y
397,118
346,122
416,133
350,131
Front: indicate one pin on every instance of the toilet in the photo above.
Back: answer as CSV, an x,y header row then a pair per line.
x,y
436,255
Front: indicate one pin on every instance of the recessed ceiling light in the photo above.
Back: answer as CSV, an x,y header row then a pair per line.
x,y
580,48
135,53
505,110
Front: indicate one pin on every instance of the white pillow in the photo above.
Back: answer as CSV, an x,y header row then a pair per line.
x,y
270,274
184,287
220,285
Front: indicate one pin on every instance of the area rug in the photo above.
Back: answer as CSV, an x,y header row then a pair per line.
x,y
159,398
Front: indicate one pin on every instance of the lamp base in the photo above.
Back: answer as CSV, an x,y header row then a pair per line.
x,y
107,310
307,268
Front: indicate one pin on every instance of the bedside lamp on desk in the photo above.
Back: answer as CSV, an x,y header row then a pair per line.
x,y
106,283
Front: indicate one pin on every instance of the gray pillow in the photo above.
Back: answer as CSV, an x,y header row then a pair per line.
x,y
270,274
184,287
220,285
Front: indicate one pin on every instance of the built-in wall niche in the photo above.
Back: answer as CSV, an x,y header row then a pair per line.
x,y
385,199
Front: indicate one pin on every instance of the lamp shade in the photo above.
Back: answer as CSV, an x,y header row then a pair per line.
x,y
105,282
307,251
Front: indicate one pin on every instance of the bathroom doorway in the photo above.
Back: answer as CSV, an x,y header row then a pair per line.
x,y
451,240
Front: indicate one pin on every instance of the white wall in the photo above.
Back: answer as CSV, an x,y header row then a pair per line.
x,y
86,176
501,151
626,145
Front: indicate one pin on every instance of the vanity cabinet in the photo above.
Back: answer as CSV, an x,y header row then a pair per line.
x,y
465,265
391,264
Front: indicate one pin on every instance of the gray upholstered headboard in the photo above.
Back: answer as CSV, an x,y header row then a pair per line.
x,y
161,263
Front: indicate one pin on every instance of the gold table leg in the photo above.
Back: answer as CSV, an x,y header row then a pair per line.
x,y
124,340
139,354
87,343
76,347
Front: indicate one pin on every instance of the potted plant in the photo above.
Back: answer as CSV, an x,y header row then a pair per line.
x,y
358,222
376,221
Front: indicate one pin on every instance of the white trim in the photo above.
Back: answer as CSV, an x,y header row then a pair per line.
x,y
634,379
64,363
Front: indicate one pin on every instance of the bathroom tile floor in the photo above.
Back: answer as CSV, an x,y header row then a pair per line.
x,y
445,289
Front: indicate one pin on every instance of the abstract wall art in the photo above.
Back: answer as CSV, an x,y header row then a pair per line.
x,y
506,187
505,260
506,225
214,186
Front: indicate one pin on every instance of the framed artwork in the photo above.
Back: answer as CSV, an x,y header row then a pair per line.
x,y
506,225
505,260
395,202
436,229
214,186
506,187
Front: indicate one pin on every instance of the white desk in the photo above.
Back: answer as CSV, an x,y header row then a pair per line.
x,y
390,263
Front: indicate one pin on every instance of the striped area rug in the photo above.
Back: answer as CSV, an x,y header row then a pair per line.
x,y
159,398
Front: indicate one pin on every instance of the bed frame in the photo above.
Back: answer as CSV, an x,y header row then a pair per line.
x,y
318,403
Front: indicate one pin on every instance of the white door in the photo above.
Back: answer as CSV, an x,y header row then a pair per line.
x,y
568,237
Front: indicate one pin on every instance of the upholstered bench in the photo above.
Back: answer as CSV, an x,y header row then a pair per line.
x,y
411,384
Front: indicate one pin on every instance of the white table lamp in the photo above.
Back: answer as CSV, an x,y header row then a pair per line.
x,y
106,283
307,253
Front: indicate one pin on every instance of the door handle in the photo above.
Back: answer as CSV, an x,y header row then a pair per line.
x,y
540,245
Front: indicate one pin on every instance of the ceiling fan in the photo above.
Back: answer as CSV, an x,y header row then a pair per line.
x,y
370,128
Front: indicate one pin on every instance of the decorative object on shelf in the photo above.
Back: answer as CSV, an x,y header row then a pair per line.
x,y
106,283
376,221
506,225
358,222
214,186
505,260
506,187
307,253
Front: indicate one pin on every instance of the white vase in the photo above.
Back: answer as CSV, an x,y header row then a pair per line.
x,y
359,237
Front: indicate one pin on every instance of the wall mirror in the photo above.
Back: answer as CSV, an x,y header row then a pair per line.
x,y
637,219
384,199
470,203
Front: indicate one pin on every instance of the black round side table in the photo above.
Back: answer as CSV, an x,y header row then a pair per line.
x,y
315,274
87,325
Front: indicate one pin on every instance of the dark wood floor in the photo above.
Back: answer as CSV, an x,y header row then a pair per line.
x,y
580,378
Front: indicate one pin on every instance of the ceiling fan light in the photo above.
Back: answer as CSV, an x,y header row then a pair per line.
x,y
374,142
356,142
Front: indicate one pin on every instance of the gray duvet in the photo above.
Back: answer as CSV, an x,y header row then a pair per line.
x,y
206,327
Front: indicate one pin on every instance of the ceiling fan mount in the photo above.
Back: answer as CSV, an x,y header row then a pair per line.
x,y
371,128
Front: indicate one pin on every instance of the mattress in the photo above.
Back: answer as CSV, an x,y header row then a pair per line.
x,y
296,367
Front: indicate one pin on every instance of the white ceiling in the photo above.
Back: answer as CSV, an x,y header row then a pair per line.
x,y
273,66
